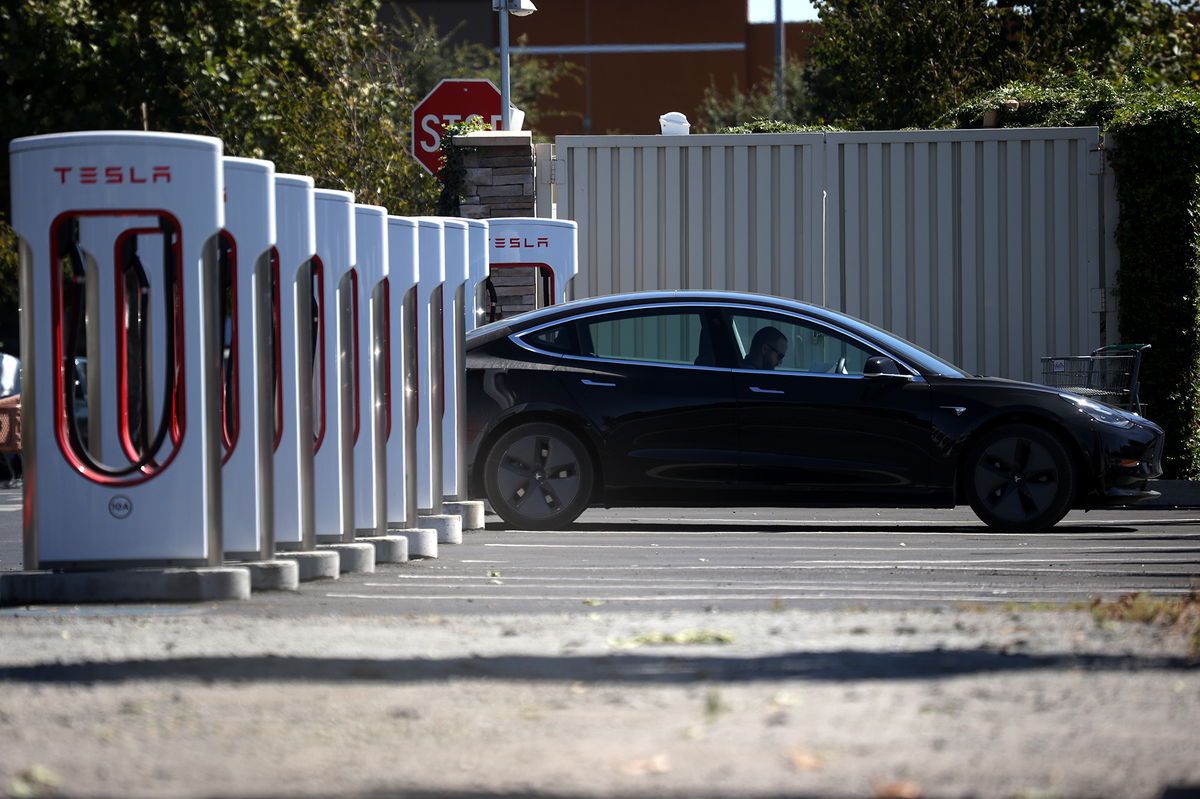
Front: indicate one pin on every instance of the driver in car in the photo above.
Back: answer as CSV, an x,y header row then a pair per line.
x,y
767,349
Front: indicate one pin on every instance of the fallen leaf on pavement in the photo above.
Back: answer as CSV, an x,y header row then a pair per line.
x,y
895,789
805,760
642,766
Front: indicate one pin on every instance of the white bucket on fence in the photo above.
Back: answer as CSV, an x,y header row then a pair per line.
x,y
674,124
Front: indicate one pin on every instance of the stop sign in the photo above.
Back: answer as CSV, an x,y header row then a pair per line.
x,y
452,100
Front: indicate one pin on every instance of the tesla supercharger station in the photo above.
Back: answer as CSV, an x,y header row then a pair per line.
x,y
334,367
249,274
550,246
477,300
428,332
370,428
295,215
456,233
156,198
401,447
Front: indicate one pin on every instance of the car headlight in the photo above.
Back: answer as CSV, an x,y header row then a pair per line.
x,y
1102,413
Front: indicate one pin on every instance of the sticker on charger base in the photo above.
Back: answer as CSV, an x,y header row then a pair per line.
x,y
120,507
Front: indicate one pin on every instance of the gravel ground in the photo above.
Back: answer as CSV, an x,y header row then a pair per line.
x,y
179,703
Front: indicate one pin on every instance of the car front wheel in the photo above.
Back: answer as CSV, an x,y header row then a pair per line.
x,y
538,476
1019,479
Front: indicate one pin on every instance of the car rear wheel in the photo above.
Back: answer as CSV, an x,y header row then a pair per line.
x,y
1019,479
538,476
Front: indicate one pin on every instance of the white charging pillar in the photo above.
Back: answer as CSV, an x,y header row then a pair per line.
x,y
475,308
371,255
430,277
295,215
249,385
456,234
550,246
401,447
159,502
334,372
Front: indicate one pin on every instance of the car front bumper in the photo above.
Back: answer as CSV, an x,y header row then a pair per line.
x,y
1126,462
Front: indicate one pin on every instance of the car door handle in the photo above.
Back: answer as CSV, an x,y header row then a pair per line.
x,y
757,390
587,382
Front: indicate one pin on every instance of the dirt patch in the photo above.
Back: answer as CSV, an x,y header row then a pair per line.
x,y
1025,704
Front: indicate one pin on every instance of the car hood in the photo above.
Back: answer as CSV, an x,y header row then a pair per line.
x,y
982,384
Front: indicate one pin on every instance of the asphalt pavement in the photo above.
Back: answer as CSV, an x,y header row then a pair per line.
x,y
750,559
642,653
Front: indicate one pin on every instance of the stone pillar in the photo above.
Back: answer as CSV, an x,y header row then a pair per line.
x,y
499,183
499,177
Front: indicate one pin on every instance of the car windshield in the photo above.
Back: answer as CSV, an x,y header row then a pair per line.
x,y
919,357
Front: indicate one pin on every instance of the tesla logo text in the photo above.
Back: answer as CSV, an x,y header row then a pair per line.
x,y
517,241
120,506
111,174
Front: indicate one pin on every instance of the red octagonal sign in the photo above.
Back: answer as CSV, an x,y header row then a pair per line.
x,y
452,100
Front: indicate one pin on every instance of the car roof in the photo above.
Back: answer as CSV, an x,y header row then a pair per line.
x,y
636,298
886,340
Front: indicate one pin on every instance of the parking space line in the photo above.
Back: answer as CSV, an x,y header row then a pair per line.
x,y
996,595
1069,567
763,590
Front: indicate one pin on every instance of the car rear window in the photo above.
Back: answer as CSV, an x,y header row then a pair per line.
x,y
561,339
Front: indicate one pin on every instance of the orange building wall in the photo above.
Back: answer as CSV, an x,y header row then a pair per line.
x,y
627,92
798,38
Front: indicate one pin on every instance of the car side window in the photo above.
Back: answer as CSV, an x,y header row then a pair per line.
x,y
787,344
655,336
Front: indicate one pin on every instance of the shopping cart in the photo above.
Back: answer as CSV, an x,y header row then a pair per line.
x,y
1108,375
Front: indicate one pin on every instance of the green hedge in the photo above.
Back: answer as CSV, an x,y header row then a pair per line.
x,y
1157,162
1156,158
764,125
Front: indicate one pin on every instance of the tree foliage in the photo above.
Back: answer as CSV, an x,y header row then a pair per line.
x,y
339,113
891,64
896,63
319,88
1157,163
719,112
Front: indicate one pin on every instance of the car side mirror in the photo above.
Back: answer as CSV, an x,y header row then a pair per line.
x,y
883,366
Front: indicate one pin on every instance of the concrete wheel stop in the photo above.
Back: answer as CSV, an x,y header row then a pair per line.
x,y
422,541
314,564
125,585
388,548
272,575
470,511
448,526
354,558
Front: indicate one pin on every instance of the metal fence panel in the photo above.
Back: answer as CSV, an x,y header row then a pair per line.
x,y
990,247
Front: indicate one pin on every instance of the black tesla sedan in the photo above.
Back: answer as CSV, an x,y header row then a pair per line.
x,y
728,399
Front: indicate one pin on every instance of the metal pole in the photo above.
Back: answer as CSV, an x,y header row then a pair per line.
x,y
505,102
779,48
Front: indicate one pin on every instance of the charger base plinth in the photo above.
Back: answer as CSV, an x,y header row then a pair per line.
x,y
204,584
